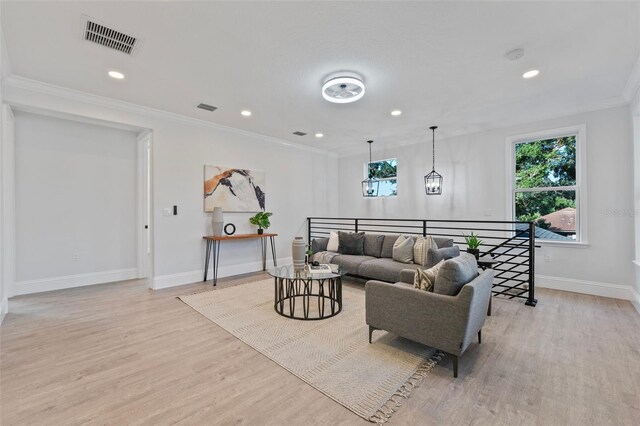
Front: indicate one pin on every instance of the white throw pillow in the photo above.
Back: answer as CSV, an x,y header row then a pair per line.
x,y
421,248
403,249
334,241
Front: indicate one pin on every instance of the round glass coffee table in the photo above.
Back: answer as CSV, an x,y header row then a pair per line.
x,y
302,295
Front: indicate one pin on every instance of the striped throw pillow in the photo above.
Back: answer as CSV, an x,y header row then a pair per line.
x,y
421,248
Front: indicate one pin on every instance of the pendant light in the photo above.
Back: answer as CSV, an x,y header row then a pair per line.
x,y
370,185
433,181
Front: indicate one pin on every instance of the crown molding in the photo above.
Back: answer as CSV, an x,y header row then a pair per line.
x,y
633,82
23,83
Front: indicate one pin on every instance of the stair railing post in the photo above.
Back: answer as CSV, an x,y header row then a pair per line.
x,y
356,225
531,301
424,228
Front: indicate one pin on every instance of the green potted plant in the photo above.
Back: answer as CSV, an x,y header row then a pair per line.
x,y
473,244
261,219
309,253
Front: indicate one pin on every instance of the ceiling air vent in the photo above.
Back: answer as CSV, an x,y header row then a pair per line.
x,y
299,133
207,107
108,37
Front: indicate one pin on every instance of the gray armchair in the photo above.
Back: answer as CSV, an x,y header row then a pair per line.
x,y
446,319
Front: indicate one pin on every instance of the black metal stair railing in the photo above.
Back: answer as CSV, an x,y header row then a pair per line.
x,y
511,244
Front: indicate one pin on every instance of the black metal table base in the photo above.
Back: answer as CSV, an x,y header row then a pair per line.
x,y
291,294
213,252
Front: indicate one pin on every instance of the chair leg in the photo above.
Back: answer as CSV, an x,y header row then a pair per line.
x,y
454,360
479,336
370,333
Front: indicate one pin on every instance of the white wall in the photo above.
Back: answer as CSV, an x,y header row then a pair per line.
x,y
635,116
4,71
299,181
474,173
75,186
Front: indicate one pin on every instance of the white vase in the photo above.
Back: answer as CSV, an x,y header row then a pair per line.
x,y
217,221
298,251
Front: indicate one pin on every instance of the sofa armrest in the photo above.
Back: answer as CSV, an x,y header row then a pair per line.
x,y
429,318
407,276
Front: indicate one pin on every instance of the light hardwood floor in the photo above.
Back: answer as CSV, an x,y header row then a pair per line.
x,y
121,354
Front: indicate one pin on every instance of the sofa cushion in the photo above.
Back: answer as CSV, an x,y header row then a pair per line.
x,y
351,243
403,249
319,244
387,245
351,263
455,273
373,244
420,249
435,256
383,269
425,279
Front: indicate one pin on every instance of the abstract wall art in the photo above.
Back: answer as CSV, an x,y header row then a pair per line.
x,y
235,190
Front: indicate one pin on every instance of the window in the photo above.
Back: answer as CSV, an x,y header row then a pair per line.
x,y
386,171
546,183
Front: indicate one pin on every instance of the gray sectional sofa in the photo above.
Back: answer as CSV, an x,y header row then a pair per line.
x,y
377,262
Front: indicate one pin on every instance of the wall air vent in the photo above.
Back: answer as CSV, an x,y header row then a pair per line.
x,y
299,133
207,107
108,37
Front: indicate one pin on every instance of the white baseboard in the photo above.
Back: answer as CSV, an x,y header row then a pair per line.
x,y
615,291
4,309
182,278
69,281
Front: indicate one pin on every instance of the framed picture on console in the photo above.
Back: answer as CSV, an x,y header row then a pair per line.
x,y
233,189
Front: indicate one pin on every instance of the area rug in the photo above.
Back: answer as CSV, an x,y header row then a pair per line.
x,y
332,355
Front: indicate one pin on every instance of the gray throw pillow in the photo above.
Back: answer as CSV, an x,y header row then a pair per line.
x,y
351,243
387,245
403,249
373,244
319,244
437,255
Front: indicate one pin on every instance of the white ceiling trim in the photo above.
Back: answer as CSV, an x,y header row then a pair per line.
x,y
633,83
23,83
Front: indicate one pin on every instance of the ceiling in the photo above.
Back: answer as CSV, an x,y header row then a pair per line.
x,y
439,62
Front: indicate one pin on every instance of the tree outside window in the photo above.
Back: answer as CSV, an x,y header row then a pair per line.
x,y
546,191
386,171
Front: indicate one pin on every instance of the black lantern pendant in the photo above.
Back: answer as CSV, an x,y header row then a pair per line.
x,y
370,185
433,181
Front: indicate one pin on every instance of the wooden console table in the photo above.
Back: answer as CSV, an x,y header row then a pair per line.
x,y
213,250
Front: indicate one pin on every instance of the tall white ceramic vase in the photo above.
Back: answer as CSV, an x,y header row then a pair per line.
x,y
298,251
217,221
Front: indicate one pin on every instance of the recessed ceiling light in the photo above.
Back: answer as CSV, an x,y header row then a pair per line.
x,y
246,113
530,74
396,112
319,135
342,89
116,74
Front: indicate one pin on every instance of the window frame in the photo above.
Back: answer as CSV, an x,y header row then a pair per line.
x,y
366,175
580,188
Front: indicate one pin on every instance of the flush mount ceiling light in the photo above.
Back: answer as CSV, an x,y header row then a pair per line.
x,y
116,74
531,74
343,88
396,112
245,113
319,135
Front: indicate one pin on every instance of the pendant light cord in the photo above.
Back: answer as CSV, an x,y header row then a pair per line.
x,y
433,149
